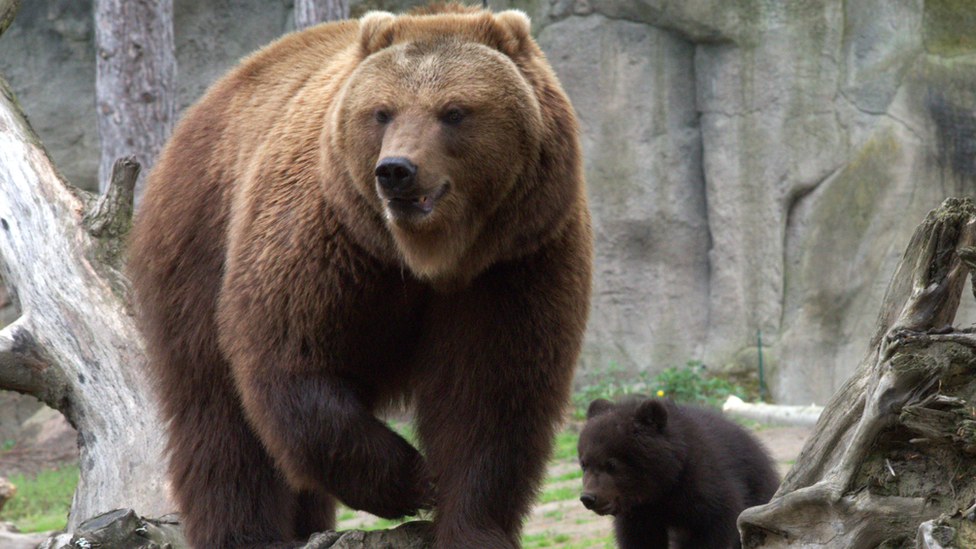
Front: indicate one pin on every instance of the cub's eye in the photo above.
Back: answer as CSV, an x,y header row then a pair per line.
x,y
452,116
610,466
382,115
582,465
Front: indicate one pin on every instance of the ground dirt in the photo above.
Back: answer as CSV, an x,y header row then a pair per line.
x,y
563,522
45,441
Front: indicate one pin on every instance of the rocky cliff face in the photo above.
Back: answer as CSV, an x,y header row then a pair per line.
x,y
757,167
753,165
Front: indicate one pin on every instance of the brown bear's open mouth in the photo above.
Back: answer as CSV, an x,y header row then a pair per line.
x,y
414,206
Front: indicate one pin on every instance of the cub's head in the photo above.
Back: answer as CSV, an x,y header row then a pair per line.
x,y
627,455
440,127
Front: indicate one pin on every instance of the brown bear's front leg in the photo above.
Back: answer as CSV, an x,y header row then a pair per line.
x,y
323,438
309,354
488,459
208,460
487,441
495,373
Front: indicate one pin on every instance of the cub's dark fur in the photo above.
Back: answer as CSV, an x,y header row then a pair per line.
x,y
665,469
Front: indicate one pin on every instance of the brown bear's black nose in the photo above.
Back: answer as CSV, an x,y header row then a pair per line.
x,y
588,500
396,174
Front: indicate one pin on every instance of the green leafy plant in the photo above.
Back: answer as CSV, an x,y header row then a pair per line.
x,y
607,383
689,383
693,384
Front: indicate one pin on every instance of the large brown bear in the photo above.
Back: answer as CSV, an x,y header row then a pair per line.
x,y
362,214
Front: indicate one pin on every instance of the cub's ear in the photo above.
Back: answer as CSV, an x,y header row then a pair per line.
x,y
516,28
652,413
597,407
374,32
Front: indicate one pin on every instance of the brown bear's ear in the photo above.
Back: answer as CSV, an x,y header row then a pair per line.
x,y
374,32
652,413
597,407
516,28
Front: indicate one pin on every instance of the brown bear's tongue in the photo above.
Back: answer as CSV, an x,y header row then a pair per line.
x,y
420,204
425,203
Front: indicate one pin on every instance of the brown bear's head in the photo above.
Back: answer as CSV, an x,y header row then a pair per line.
x,y
441,129
627,455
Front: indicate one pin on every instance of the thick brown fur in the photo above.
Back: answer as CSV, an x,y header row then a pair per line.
x,y
286,296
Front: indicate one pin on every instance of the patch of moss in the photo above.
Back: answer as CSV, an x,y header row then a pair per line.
x,y
948,27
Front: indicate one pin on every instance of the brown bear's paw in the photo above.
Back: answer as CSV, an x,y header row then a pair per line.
x,y
391,483
410,492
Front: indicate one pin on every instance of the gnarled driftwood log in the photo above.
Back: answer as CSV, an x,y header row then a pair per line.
x,y
896,446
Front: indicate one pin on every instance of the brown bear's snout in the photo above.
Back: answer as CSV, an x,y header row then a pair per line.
x,y
589,500
395,176
397,184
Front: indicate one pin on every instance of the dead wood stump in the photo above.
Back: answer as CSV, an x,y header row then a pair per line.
x,y
896,446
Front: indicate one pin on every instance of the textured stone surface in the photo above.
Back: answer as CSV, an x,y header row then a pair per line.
x,y
752,166
634,90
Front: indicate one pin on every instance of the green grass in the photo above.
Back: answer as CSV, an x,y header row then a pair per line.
x,y
559,494
42,501
565,447
382,523
574,474
542,539
604,542
564,541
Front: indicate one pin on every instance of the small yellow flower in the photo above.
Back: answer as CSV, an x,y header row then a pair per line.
x,y
660,392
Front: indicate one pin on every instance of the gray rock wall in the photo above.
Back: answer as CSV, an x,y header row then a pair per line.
x,y
753,166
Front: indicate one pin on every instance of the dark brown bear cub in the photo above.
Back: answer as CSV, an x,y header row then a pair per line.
x,y
662,468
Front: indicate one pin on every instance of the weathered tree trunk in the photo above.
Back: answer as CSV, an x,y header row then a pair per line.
x,y
313,12
896,446
135,81
75,345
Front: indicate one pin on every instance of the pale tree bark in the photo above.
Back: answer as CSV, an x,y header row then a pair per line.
x,y
135,81
75,345
313,12
895,449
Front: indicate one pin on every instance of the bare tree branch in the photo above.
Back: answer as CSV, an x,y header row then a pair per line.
x,y
21,366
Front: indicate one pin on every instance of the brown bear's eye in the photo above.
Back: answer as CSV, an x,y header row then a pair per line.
x,y
582,465
610,466
452,116
382,116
